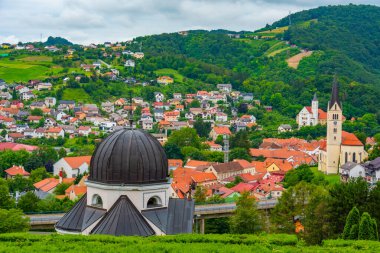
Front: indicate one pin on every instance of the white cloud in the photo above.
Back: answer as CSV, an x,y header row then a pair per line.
x,y
85,21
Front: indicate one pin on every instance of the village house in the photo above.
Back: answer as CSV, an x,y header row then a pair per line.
x,y
84,130
108,107
159,97
351,170
16,170
224,170
165,80
224,87
284,128
44,86
219,130
50,101
171,116
54,132
72,166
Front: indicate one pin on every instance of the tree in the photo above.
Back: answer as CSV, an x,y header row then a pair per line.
x,y
246,219
240,140
61,188
236,181
301,173
200,194
19,183
203,128
38,174
354,232
375,231
366,231
6,201
37,112
173,151
352,219
185,137
13,220
293,203
316,220
240,153
28,202
343,197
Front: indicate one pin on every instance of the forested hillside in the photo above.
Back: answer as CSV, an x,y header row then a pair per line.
x,y
344,45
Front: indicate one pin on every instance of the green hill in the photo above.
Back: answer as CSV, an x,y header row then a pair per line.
x,y
351,30
55,41
19,243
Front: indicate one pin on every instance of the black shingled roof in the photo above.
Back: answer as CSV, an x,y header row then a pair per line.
x,y
73,220
123,219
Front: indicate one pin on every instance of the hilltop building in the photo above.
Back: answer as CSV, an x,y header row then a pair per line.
x,y
340,147
311,115
128,191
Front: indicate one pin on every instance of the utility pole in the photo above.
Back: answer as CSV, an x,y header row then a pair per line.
x,y
226,148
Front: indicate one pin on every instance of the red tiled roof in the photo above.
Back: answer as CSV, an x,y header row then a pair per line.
x,y
48,184
243,187
195,163
175,162
76,161
78,190
17,170
16,146
200,177
244,163
222,130
350,139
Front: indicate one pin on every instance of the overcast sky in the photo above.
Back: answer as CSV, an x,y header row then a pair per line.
x,y
85,21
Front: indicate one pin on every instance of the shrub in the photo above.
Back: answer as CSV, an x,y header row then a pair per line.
x,y
352,219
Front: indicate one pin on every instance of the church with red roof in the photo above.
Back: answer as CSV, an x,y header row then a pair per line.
x,y
340,146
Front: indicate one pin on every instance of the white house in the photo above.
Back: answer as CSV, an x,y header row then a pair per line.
x,y
221,117
159,96
129,63
352,170
72,166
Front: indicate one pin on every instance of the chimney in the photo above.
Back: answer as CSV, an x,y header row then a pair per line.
x,y
60,176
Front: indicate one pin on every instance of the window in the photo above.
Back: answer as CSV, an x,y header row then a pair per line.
x,y
154,202
335,130
345,157
97,201
354,157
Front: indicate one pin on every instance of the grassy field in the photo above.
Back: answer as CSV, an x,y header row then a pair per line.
x,y
170,72
194,243
332,179
26,68
77,94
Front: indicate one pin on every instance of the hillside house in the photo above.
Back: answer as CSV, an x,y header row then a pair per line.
x,y
72,166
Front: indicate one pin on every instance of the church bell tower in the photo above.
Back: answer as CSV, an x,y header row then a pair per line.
x,y
334,130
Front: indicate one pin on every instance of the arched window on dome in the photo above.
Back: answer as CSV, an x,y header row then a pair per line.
x,y
97,201
153,202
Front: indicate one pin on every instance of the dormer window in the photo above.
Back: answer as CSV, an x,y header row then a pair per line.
x,y
154,202
97,201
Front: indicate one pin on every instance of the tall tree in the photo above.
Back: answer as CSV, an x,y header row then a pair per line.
x,y
13,220
366,231
352,219
246,219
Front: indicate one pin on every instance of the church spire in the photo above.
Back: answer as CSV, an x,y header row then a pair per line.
x,y
334,94
315,97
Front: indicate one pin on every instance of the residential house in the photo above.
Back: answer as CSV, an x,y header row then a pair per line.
x,y
72,166
84,130
219,130
16,170
108,107
224,170
129,63
351,170
221,117
284,128
159,97
171,116
44,86
27,96
224,87
54,132
50,101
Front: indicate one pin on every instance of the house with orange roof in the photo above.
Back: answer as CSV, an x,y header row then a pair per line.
x,y
72,166
54,132
225,170
214,146
311,115
16,170
219,130
75,191
165,80
48,185
243,187
193,164
248,167
171,116
175,163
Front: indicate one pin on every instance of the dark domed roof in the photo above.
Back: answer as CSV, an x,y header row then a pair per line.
x,y
129,157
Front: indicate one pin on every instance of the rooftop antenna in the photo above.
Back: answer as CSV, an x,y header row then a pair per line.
x,y
226,148
290,18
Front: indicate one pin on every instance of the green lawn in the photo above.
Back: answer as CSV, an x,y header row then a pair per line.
x,y
170,72
26,68
193,243
77,94
332,179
